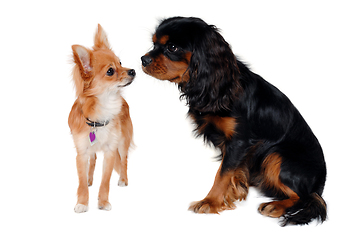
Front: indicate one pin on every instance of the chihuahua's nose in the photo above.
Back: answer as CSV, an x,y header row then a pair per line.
x,y
146,60
131,73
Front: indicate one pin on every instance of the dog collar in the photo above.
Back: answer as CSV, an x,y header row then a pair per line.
x,y
97,124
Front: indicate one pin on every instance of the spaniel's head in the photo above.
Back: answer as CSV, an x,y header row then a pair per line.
x,y
193,54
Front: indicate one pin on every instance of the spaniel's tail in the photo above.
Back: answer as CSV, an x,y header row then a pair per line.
x,y
306,210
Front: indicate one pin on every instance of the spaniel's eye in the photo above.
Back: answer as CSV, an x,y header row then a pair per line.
x,y
172,48
110,72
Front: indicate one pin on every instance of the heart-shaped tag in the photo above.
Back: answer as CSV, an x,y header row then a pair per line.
x,y
92,137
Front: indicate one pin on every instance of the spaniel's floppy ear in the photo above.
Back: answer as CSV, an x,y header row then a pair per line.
x,y
214,75
100,40
83,67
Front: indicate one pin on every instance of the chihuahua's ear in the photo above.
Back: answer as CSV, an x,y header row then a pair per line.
x,y
82,58
100,40
83,69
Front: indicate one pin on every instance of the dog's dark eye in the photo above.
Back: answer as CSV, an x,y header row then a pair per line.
x,y
110,72
172,48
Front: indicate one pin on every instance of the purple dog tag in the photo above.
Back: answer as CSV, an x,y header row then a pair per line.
x,y
92,138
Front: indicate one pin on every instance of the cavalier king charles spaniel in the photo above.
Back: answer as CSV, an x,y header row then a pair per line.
x,y
264,140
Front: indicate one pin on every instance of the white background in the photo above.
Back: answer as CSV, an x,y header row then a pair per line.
x,y
309,50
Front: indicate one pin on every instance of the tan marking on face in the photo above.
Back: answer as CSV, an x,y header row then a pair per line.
x,y
164,69
163,40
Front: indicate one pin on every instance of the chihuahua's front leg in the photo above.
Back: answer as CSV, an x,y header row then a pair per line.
x,y
83,190
109,158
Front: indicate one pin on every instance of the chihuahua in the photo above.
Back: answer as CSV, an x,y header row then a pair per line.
x,y
99,119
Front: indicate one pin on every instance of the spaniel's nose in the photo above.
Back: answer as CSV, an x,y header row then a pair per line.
x,y
146,60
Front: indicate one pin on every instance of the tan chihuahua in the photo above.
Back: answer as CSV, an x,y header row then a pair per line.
x,y
99,119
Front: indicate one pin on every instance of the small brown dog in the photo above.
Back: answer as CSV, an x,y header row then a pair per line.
x,y
99,119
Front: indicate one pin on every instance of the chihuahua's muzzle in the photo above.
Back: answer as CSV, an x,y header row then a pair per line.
x,y
131,75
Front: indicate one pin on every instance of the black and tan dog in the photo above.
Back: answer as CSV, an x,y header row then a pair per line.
x,y
264,141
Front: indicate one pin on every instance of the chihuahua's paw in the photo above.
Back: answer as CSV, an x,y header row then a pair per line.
x,y
104,205
90,181
80,208
123,182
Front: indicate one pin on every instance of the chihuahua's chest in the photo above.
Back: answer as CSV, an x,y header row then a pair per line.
x,y
106,138
103,138
109,105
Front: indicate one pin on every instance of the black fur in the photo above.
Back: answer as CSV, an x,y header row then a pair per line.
x,y
199,91
266,120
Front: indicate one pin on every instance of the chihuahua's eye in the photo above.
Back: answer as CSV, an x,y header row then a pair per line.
x,y
110,72
172,48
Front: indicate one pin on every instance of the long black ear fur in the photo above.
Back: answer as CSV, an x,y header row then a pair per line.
x,y
214,74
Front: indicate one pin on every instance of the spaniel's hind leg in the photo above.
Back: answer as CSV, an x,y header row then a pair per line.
x,y
282,177
272,182
277,209
228,187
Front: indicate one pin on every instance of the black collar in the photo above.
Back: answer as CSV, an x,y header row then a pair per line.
x,y
97,124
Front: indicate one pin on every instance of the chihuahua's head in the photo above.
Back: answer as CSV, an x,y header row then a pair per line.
x,y
99,69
